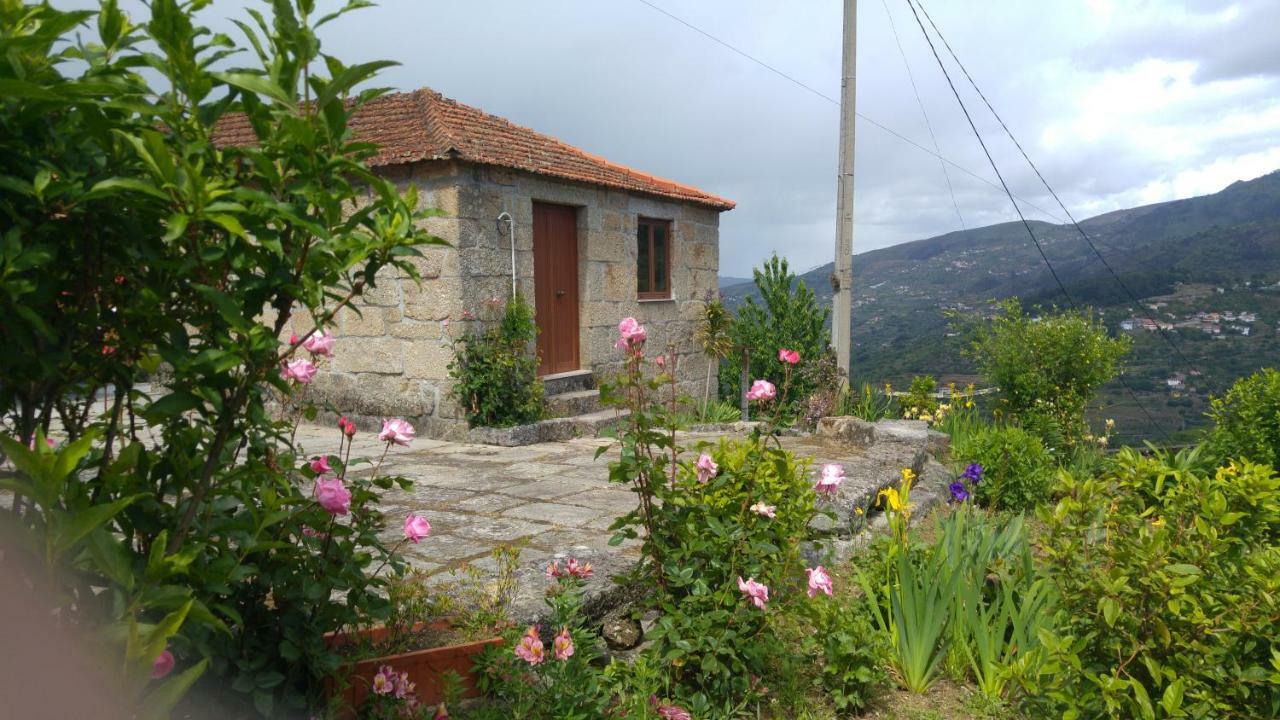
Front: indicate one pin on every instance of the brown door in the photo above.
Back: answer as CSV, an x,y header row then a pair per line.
x,y
555,286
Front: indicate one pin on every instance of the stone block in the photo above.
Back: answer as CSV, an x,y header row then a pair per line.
x,y
385,291
611,246
363,322
427,359
619,282
370,355
432,300
393,396
413,330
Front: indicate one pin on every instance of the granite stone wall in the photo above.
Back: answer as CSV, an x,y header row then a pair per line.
x,y
393,349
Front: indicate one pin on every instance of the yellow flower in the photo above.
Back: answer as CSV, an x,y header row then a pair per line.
x,y
1111,424
908,477
857,510
892,500
1157,523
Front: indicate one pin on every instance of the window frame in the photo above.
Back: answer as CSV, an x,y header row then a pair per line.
x,y
668,225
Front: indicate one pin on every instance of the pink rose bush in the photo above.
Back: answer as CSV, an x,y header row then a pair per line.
x,y
829,480
706,468
299,370
758,593
163,665
790,357
631,335
416,527
320,344
819,581
332,495
762,391
396,431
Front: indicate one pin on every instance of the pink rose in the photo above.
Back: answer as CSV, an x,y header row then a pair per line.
x,y
396,431
333,495
790,357
661,361
830,478
819,581
757,592
293,338
321,465
672,712
631,334
416,527
563,644
706,467
300,370
320,343
762,390
763,510
163,665
529,649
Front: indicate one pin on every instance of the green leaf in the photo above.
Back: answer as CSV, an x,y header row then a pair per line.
x,y
159,703
171,405
255,84
1171,701
1110,610
12,88
110,185
73,527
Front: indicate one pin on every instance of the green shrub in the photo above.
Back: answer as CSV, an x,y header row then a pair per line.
x,y
495,372
1017,470
851,654
1247,420
867,403
1047,368
708,538
1167,574
919,401
787,316
131,238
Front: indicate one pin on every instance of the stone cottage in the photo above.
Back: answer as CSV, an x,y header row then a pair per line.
x,y
594,242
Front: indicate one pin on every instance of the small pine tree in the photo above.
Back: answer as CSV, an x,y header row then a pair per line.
x,y
787,315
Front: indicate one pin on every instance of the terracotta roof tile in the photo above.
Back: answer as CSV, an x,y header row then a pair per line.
x,y
424,125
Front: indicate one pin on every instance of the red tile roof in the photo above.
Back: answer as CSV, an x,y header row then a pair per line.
x,y
424,125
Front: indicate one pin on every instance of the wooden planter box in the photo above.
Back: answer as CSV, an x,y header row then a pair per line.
x,y
426,668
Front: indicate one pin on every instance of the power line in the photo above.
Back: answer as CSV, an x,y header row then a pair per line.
x,y
833,101
911,76
942,66
1132,297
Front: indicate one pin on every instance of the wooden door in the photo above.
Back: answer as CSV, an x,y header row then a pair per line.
x,y
555,283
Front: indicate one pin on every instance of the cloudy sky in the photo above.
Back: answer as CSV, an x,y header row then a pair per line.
x,y
1120,102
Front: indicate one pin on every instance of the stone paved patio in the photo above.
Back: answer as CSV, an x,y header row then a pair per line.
x,y
556,498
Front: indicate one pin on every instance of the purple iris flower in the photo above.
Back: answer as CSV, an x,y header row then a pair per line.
x,y
973,473
959,493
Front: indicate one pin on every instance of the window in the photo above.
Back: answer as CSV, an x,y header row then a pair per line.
x,y
653,259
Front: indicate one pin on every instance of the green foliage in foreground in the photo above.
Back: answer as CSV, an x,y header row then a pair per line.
x,y
1167,573
1247,420
496,373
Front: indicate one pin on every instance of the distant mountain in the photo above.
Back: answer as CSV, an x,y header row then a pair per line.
x,y
1229,240
726,281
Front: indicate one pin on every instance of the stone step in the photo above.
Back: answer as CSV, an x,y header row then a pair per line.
x,y
578,402
590,424
550,430
567,382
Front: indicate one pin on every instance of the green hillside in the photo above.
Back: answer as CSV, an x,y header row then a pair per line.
x,y
1215,253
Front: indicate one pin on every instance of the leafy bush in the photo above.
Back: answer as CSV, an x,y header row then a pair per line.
x,y
720,538
132,239
1168,579
788,315
1017,470
1047,368
851,653
495,372
1247,420
919,402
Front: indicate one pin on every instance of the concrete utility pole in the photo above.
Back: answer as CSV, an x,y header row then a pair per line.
x,y
842,280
